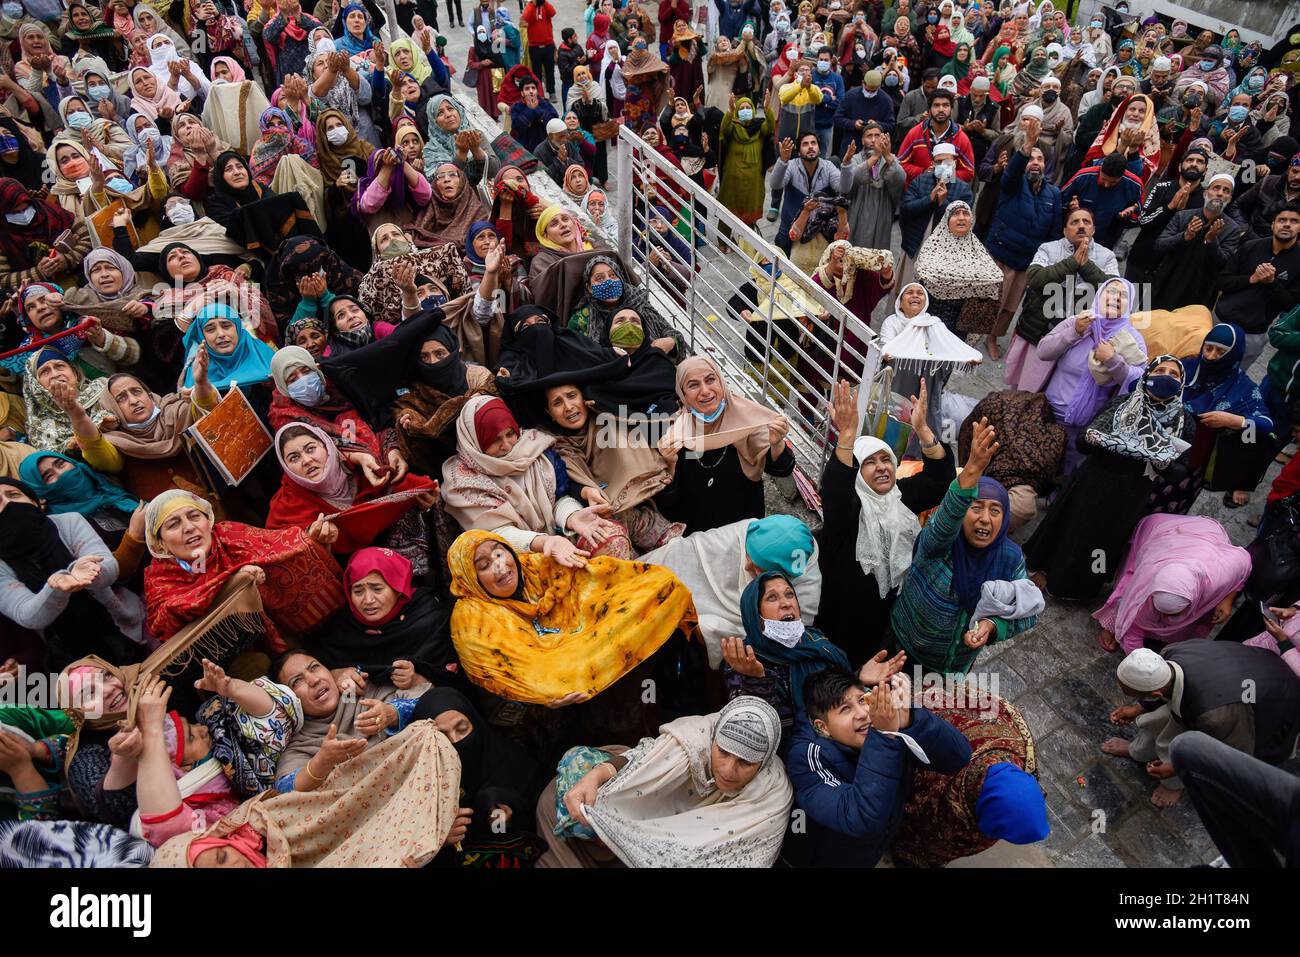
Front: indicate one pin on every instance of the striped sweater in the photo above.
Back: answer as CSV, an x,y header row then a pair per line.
x,y
926,619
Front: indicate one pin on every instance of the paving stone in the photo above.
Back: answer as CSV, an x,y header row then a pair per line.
x,y
1144,840
1078,703
1100,791
1092,851
1065,755
1040,717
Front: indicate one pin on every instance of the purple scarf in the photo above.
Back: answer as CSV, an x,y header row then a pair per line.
x,y
1088,396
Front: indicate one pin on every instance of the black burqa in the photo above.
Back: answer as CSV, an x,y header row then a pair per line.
x,y
421,634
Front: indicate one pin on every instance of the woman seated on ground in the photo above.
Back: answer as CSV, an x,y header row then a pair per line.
x,y
708,792
963,546
958,273
1180,578
73,163
44,312
253,213
195,557
454,206
67,485
1097,354
392,290
193,773
114,295
51,385
560,235
733,442
501,287
393,187
320,480
235,355
277,141
553,628
58,578
511,482
1139,442
624,474
871,523
25,247
303,257
1233,420
395,803
304,395
391,630
195,281
607,293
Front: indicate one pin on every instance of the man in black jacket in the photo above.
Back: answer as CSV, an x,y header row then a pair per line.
x,y
1268,195
1262,281
1163,200
1195,247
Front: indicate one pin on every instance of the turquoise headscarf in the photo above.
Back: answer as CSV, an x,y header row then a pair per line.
x,y
779,543
249,364
81,490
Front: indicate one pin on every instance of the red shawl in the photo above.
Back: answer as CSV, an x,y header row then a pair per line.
x,y
329,417
360,524
303,587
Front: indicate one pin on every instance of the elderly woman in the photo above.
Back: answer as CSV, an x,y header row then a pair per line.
x,y
708,792
453,207
1181,577
43,315
732,440
1131,130
304,394
1097,353
609,292
963,547
1135,441
871,522
396,258
51,384
320,480
96,132
27,243
278,140
510,481
446,120
196,557
962,280
57,578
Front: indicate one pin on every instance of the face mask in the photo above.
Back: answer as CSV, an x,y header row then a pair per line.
x,y
629,336
22,218
706,419
1162,387
431,300
1095,25
79,120
99,92
143,426
1192,101
337,136
1237,113
120,184
891,81
1050,96
8,144
1255,83
823,66
943,172
482,35
745,114
608,291
324,45
308,389
860,52
150,134
398,247
1206,66
785,633
182,214
932,18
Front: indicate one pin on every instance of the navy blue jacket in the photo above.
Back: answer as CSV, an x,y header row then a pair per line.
x,y
917,208
1024,219
856,105
825,113
853,800
528,124
1106,203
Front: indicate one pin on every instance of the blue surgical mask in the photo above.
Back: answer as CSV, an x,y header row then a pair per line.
x,y
1255,83
608,291
891,81
1237,113
79,120
706,419
932,18
1206,66
8,143
120,184
307,390
23,217
144,426
823,66
98,92
431,300
745,114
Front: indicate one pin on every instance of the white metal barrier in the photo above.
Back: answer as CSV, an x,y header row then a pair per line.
x,y
792,345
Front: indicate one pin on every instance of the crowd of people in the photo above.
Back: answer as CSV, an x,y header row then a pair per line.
x,y
502,589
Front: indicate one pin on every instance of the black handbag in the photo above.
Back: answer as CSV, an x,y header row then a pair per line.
x,y
1275,559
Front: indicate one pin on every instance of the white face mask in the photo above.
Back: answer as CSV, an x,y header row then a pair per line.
x,y
182,214
22,218
785,633
337,136
324,45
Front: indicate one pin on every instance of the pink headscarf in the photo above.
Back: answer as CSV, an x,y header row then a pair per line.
x,y
307,131
336,485
1174,559
392,567
163,95
243,840
236,71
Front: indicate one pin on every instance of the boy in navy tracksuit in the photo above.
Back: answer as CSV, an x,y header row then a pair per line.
x,y
851,760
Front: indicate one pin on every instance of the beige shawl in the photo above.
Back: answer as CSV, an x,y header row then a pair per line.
x,y
629,471
232,111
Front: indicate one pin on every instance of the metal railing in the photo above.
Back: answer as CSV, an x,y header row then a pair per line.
x,y
792,345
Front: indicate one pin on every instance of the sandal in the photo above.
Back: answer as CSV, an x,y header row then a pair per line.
x,y
1228,501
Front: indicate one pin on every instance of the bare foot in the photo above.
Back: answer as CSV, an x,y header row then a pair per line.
x,y
1107,640
1116,746
1163,797
995,353
1241,498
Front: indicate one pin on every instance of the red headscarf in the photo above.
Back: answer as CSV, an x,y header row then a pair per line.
x,y
392,568
23,245
491,420
243,840
943,44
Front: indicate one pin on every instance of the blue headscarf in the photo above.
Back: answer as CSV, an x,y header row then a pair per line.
x,y
997,561
249,364
81,490
1011,807
346,41
1219,384
814,653
779,542
474,230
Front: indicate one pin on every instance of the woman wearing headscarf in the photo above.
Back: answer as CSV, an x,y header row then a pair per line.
x,y
150,24
18,160
453,207
151,96
733,442
740,175
302,256
304,395
963,282
1132,129
352,31
149,141
393,187
235,355
67,485
43,323
963,546
40,81
195,557
276,142
509,481
320,480
858,278
515,207
1135,442
489,68
1207,67
1230,450
1181,577
94,132
336,83
27,241
57,578
446,120
708,792
72,163
560,236
48,424
1096,353
198,274
91,34
343,157
439,265
609,291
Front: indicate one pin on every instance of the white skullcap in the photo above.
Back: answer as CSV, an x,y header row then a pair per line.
x,y
1162,63
1052,82
943,149
1033,111
980,83
1226,177
555,126
1144,671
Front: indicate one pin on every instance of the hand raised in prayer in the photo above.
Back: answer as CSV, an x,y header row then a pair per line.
x,y
979,636
323,531
1082,321
64,395
740,658
563,552
214,679
1216,227
201,360
152,706
335,750
174,68
1032,128
881,668
107,110
127,744
890,706
404,275
135,527
787,149
459,827
920,416
983,447
844,410
1125,714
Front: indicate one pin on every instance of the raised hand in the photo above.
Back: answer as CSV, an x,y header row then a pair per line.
x,y
740,657
881,668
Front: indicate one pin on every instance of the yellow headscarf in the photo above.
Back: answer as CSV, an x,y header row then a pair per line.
x,y
544,220
572,629
420,68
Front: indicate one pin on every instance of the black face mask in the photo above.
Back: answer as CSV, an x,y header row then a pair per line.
x,y
1050,96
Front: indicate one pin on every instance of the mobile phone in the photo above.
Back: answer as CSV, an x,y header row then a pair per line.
x,y
1269,614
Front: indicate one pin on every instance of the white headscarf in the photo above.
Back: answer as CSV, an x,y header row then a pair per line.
x,y
887,528
922,344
